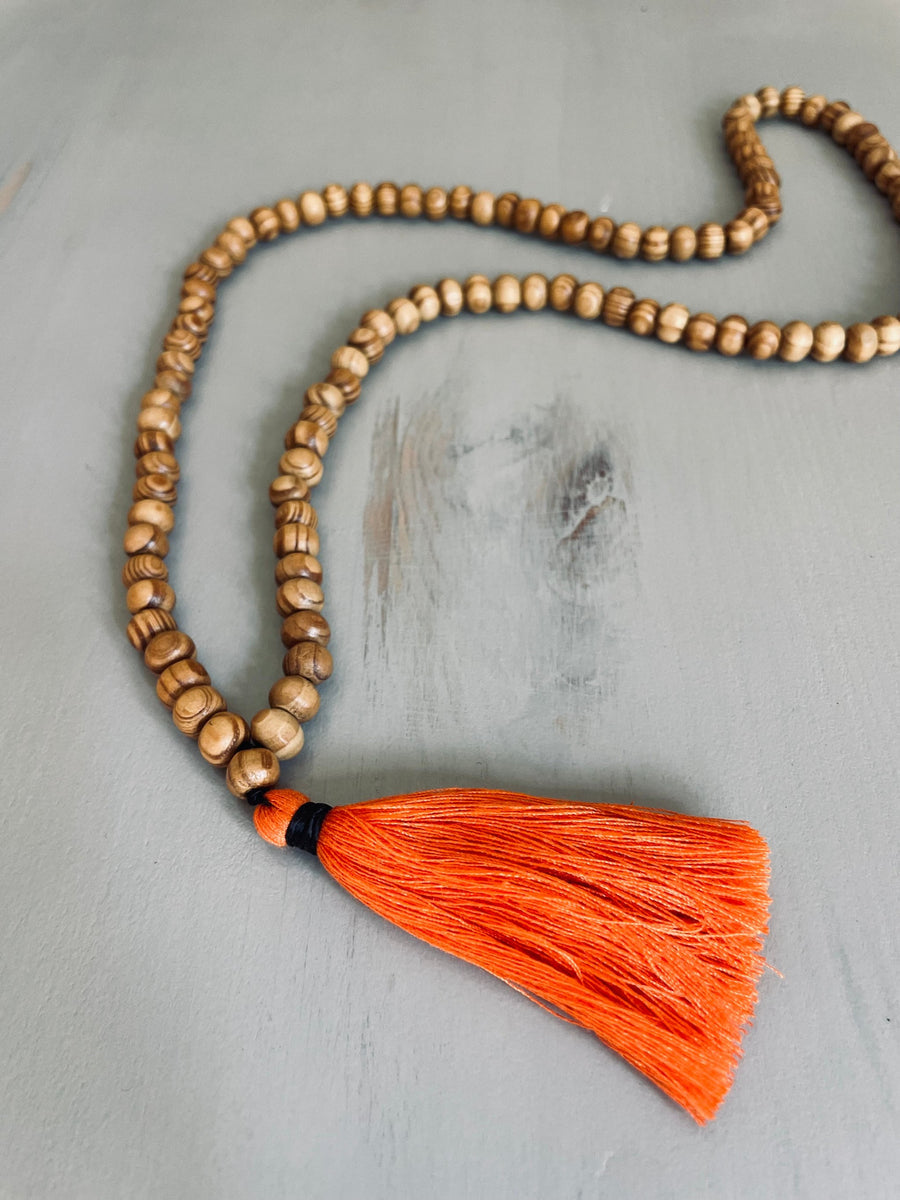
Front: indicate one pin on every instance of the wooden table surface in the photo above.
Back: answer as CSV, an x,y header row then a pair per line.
x,y
558,559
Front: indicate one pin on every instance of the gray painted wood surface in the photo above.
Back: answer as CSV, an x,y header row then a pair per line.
x,y
557,558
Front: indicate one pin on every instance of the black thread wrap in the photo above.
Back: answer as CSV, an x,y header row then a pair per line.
x,y
303,831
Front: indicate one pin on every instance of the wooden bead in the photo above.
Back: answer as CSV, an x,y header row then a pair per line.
x,y
527,215
405,316
150,593
297,594
710,241
145,538
177,677
336,200
588,301
303,462
600,234
194,707
752,105
161,398
550,220
655,244
278,731
158,462
219,259
427,301
175,360
505,209
252,769
323,417
769,100
626,240
791,101
295,537
305,626
670,323
308,434
351,359
534,292
296,511
221,737
757,220
876,159
478,294
843,124
152,441
312,208
199,270
763,340
811,110
830,114
888,330
435,204
163,419
458,202
859,131
233,245
862,343
387,199
168,647
198,287
368,341
310,660
183,339
829,339
562,292
288,216
507,293
155,487
411,200
296,695
700,332
144,566
731,335
146,624
346,382
265,222
381,323
152,512
887,176
451,294
796,341
362,199
616,307
573,228
287,487
244,230
327,394
738,237
298,566
682,244
642,317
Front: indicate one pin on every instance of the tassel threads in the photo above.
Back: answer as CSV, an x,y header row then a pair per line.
x,y
642,926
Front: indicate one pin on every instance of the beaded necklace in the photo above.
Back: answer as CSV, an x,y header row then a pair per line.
x,y
645,927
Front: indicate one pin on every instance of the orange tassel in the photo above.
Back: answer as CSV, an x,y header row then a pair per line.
x,y
643,926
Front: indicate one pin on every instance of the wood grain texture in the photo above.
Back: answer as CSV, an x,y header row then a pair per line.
x,y
559,558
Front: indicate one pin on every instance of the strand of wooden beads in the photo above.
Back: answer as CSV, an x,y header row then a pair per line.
x,y
252,751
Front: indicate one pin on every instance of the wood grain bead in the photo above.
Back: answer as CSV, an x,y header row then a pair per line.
x,y
478,294
862,343
305,626
859,131
265,222
387,199
161,398
751,104
296,511
888,330
152,441
351,359
505,210
199,287
163,419
304,463
308,434
757,220
277,730
362,199
289,539
796,341
411,201
769,100
459,201
145,538
887,176
312,208
843,124
731,335
791,101
155,487
811,110
296,594
506,293
168,647
150,593
327,395
482,208
194,707
144,566
219,260
323,417
562,292
763,340
427,301
738,237
381,322
233,245
310,660
152,512
298,566
616,307
655,244
829,339
876,158
527,215
346,382
175,360
534,292
249,770
573,228
405,316
179,675
627,240
296,695
146,624
336,200
244,229
221,737
830,114
600,234
710,241
435,204
549,222
588,301
199,270
368,341
287,487
670,323
175,381
682,244
288,215
183,339
452,299
642,317
700,332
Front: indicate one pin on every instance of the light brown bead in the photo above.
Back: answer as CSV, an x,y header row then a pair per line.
x,y
150,593
278,731
158,462
682,244
387,199
829,339
507,293
288,216
368,341
221,737
233,245
305,626
303,462
642,317
427,301
527,214
152,512
244,229
295,538
308,434
297,594
862,343
482,208
144,566
147,624
312,208
173,381
769,101
478,294
738,237
296,512
458,202
843,124
616,307
534,292
177,677
161,398
145,538
351,359
791,101
199,270
336,200
451,294
265,222
796,341
310,660
287,487
411,200
435,204
405,316
830,114
194,707
296,695
757,220
710,241
199,287
175,360
573,228
887,176
811,110
600,234
323,417
183,339
381,322
562,292
627,240
163,419
505,210
249,770
763,340
752,105
670,323
155,487
168,647
362,199
731,336
326,394
700,332
655,244
888,330
153,441
218,258
298,566
588,301
550,220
